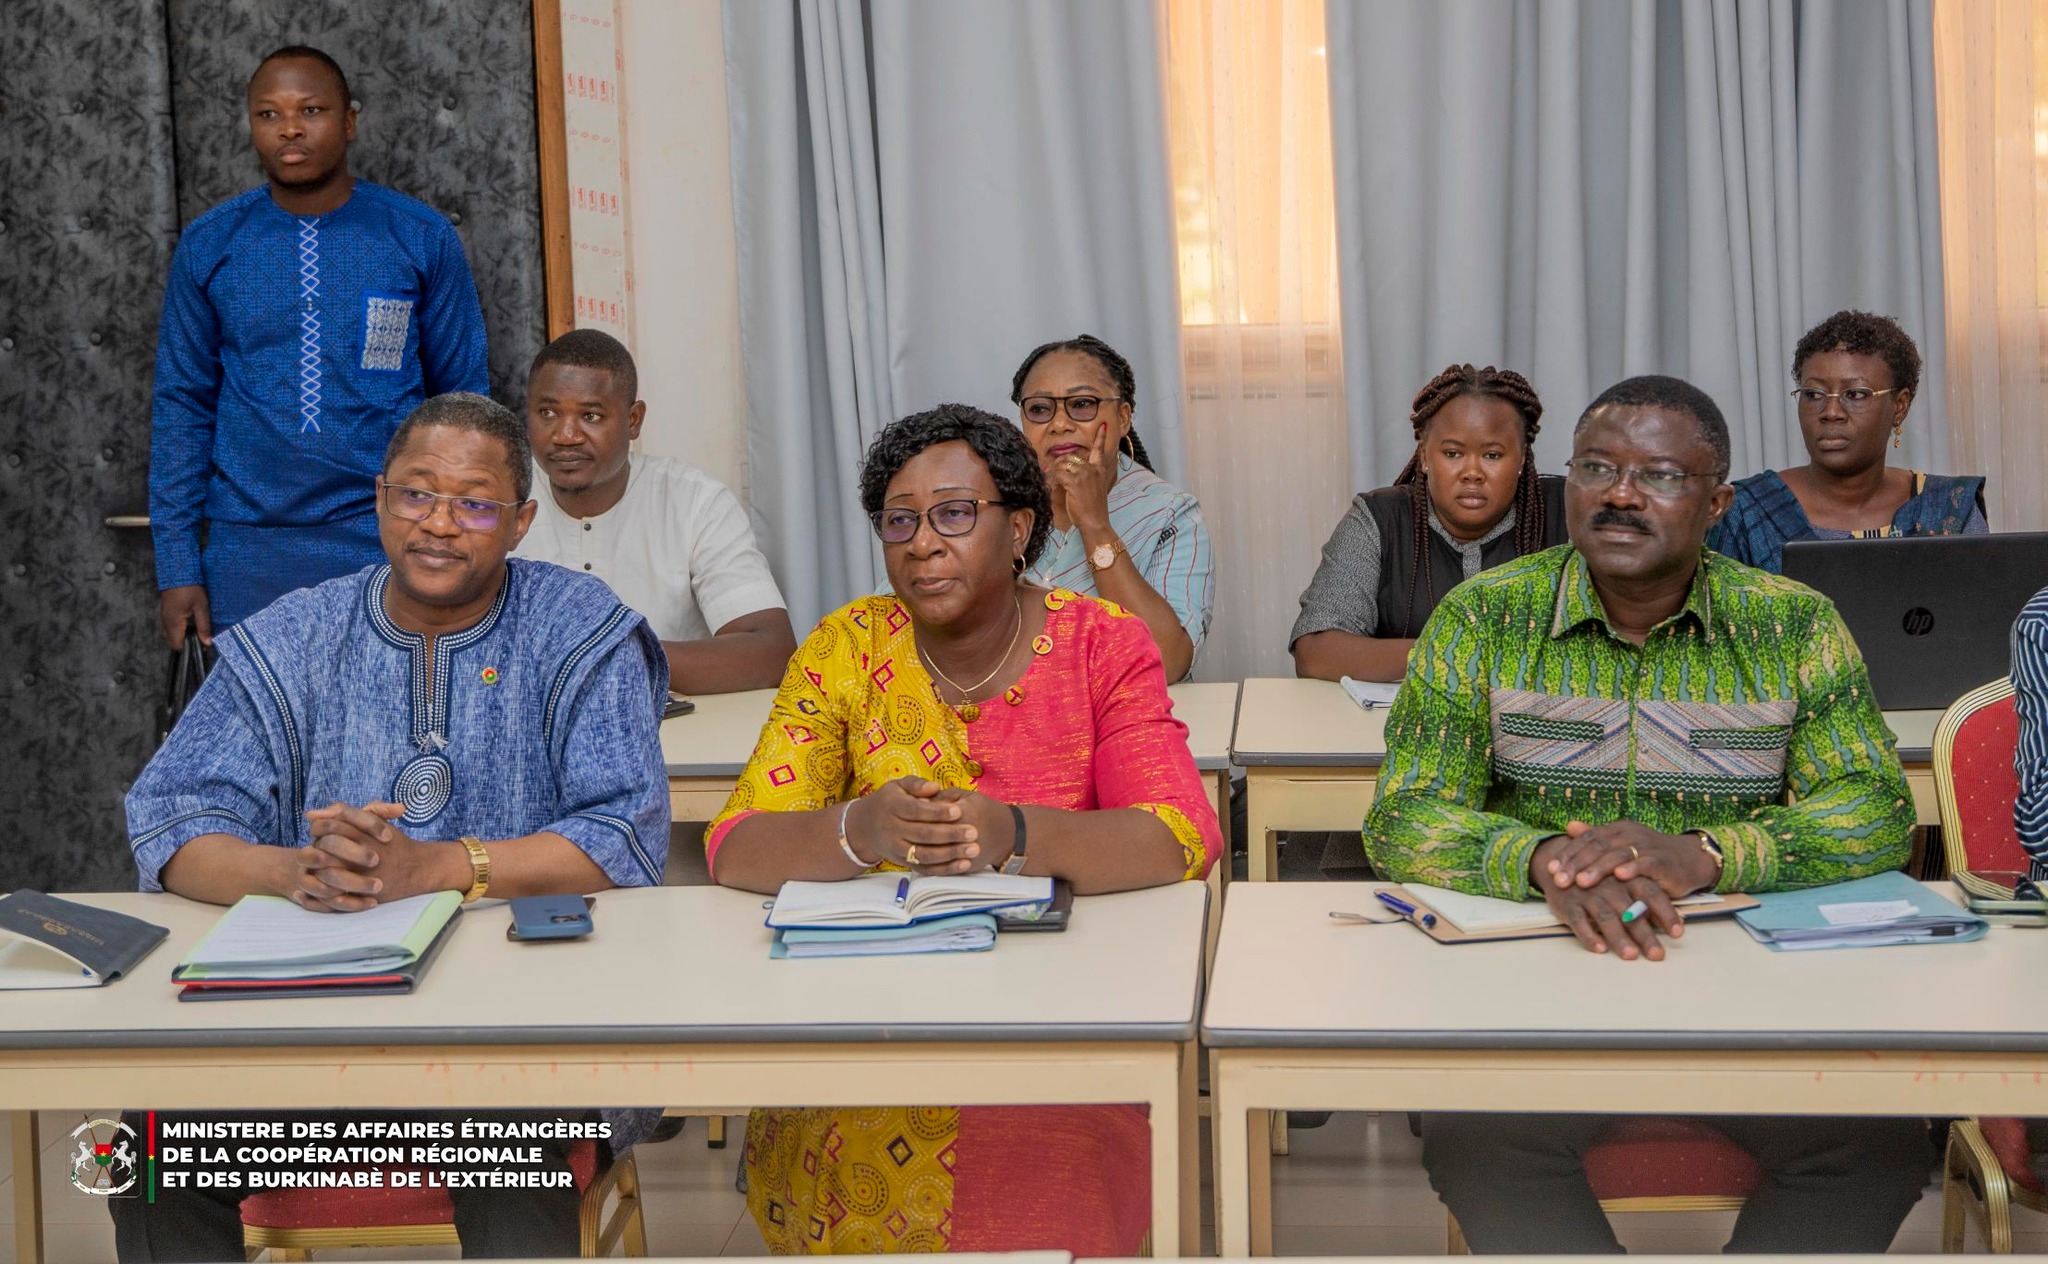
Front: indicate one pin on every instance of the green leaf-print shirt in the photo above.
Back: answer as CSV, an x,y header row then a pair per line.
x,y
1523,710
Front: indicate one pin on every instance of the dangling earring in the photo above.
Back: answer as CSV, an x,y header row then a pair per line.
x,y
1898,429
1017,564
1130,446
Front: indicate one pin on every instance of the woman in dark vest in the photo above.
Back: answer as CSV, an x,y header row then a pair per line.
x,y
1469,498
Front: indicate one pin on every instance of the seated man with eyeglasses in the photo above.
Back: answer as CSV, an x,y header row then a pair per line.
x,y
447,721
1617,722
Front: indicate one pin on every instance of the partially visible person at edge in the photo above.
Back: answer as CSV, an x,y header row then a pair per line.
x,y
973,720
1469,498
1118,530
1857,375
668,538
302,321
446,721
1632,718
2030,757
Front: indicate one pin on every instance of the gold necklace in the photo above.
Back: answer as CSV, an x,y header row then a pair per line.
x,y
967,691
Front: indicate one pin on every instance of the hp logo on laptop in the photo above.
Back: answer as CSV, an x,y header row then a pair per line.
x,y
1919,621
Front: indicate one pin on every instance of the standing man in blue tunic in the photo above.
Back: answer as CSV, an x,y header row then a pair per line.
x,y
303,320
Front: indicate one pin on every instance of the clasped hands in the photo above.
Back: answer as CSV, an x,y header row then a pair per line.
x,y
359,858
928,828
1591,874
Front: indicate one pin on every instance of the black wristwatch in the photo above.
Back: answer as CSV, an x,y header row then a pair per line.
x,y
1015,864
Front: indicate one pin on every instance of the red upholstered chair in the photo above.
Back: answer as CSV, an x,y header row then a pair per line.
x,y
1655,1163
293,1223
1986,1170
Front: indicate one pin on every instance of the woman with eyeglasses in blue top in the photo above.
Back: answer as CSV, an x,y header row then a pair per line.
x,y
1857,376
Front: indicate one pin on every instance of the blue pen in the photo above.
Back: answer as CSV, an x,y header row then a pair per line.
x,y
902,891
1407,910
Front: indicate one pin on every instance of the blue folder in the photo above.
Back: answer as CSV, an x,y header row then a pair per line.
x,y
1853,915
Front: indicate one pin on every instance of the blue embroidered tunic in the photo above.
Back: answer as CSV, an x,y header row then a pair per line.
x,y
1765,516
543,716
290,350
2030,758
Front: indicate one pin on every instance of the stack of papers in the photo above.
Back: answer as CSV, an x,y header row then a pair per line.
x,y
1486,914
1886,908
266,945
897,899
964,932
1371,693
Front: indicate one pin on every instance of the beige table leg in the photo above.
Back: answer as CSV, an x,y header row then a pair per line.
x,y
1190,1151
28,1187
1232,1132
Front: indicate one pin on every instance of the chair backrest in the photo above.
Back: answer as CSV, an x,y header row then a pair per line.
x,y
1975,782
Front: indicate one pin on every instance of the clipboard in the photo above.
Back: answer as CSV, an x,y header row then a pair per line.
x,y
1446,933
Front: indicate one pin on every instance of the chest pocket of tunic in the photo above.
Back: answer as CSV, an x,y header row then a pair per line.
x,y
1555,739
1732,748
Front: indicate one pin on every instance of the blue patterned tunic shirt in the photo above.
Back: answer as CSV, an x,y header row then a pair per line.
x,y
543,716
2030,701
290,349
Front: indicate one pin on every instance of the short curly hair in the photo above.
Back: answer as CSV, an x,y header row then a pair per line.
x,y
480,414
1020,484
1863,333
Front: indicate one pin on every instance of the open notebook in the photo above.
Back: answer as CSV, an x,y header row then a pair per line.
x,y
1472,918
897,899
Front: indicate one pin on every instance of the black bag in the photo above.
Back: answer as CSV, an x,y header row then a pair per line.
x,y
188,671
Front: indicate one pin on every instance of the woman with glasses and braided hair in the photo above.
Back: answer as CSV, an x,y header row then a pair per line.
x,y
1857,376
1469,499
1119,531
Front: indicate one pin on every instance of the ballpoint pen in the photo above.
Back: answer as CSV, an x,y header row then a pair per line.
x,y
902,891
1420,917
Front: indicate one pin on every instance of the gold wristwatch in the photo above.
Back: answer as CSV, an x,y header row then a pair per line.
x,y
1103,556
479,870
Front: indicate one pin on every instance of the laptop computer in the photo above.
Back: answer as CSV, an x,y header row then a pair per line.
x,y
1933,615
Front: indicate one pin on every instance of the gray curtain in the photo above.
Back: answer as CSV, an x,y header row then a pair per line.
x,y
1589,189
924,190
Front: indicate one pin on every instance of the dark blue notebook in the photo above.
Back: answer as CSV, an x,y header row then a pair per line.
x,y
46,942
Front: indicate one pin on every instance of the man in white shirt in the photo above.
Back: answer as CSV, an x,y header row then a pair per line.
x,y
672,541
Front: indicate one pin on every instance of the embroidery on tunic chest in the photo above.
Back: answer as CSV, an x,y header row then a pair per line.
x,y
1550,739
1733,748
309,325
424,786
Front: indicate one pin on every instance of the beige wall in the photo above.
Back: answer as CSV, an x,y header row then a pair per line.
x,y
686,318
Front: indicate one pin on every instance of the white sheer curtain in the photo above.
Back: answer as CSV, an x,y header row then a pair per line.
x,y
1583,190
1991,78
1266,435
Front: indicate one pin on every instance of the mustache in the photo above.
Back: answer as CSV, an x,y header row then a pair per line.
x,y
1612,517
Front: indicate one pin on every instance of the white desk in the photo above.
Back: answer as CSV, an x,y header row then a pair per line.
x,y
1312,760
674,1000
1382,1018
707,749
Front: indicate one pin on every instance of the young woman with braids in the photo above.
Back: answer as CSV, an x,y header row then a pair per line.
x,y
1469,498
1119,530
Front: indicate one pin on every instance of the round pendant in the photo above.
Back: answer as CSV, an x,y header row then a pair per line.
x,y
423,788
970,713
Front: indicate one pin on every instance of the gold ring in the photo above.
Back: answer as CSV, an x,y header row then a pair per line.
x,y
910,855
1633,854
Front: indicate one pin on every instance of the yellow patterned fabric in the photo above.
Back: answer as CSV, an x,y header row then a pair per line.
x,y
1088,726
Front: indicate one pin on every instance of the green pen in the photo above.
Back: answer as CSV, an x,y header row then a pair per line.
x,y
1633,911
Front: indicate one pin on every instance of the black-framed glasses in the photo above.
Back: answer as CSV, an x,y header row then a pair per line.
x,y
1597,476
948,518
1040,409
1854,399
416,504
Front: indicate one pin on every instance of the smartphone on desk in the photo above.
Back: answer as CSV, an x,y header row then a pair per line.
x,y
2003,896
538,918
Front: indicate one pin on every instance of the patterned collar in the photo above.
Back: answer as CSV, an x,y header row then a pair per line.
x,y
430,684
1578,603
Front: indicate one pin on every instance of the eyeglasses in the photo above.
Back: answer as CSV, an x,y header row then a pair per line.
x,y
1855,399
1598,476
1040,409
471,513
948,518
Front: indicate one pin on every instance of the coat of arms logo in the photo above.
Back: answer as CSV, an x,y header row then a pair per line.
x,y
105,1162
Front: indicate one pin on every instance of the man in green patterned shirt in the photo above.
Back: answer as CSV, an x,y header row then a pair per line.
x,y
1620,719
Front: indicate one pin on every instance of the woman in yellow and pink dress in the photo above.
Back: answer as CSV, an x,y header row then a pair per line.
x,y
968,721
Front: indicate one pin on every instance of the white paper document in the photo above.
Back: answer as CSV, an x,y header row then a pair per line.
x,y
1371,693
1867,912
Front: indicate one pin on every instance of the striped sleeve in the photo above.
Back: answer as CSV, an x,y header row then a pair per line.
x,y
2030,759
1174,554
